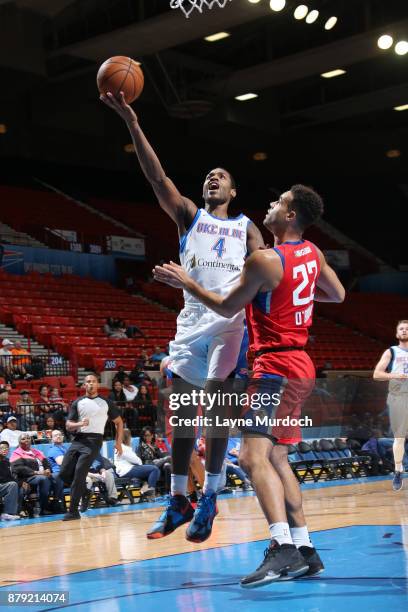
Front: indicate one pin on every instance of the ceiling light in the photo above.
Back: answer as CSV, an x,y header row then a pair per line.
x,y
260,156
277,5
330,23
312,16
254,1
333,73
129,148
401,48
3,128
393,153
385,41
301,11
217,36
401,108
247,96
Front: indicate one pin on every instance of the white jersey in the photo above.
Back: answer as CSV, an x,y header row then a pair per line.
x,y
398,365
213,252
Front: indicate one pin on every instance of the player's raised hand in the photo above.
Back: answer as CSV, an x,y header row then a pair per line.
x,y
171,274
118,104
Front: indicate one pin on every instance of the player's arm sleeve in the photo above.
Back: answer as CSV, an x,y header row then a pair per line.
x,y
255,240
73,414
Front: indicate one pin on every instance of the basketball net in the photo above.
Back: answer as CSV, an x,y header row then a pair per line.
x,y
188,6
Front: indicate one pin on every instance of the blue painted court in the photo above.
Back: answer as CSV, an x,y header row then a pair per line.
x,y
366,570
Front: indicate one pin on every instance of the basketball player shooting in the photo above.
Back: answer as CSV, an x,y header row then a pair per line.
x,y
278,287
393,367
213,248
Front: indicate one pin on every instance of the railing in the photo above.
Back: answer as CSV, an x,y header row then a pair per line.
x,y
36,366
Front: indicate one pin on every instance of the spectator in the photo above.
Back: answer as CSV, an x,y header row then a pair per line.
x,y
48,426
37,367
102,472
58,406
57,451
21,361
55,398
5,408
138,376
157,356
11,434
129,465
9,489
120,374
25,409
117,394
130,412
44,403
145,406
31,465
150,453
6,365
55,456
129,390
109,327
116,329
132,331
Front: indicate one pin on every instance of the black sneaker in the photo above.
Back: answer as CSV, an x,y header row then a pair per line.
x,y
71,516
280,562
86,498
311,556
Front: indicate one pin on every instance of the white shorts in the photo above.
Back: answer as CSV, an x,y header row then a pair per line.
x,y
206,345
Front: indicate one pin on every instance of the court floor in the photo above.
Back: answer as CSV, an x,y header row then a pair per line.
x,y
106,563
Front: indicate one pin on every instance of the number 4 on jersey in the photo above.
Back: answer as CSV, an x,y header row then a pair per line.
x,y
219,247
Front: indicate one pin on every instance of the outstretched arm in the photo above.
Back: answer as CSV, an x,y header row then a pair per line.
x,y
181,209
328,286
251,281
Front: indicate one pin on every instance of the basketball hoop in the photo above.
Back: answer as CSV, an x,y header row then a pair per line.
x,y
188,6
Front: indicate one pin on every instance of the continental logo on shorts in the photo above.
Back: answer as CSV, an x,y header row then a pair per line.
x,y
303,252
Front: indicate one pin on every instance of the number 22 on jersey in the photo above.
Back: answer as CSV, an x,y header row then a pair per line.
x,y
307,272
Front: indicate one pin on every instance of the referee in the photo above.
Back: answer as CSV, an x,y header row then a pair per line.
x,y
87,419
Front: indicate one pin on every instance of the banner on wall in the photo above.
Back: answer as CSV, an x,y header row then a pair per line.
x,y
338,259
68,235
125,244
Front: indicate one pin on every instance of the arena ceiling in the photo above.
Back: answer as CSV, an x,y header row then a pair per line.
x,y
50,51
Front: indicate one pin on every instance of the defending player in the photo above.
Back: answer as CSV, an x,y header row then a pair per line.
x,y
393,366
279,285
204,352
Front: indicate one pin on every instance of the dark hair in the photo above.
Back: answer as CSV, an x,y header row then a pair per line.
x,y
42,386
232,179
94,374
307,204
402,321
4,442
147,429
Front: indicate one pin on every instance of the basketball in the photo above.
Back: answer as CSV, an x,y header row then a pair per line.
x,y
118,74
